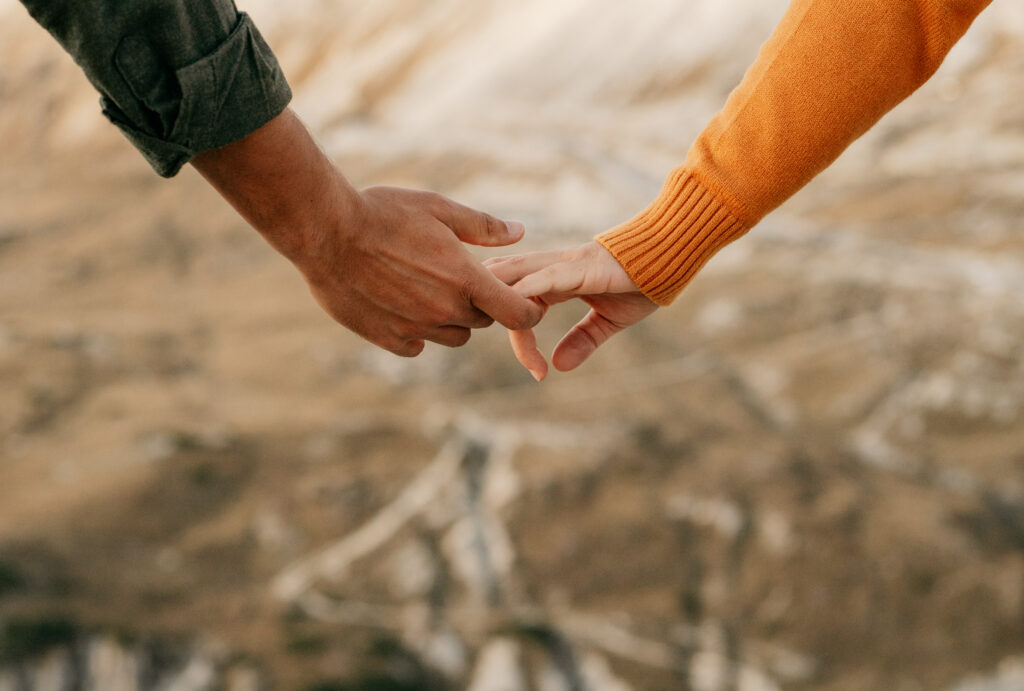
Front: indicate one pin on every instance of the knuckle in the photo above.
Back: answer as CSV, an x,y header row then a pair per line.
x,y
520,320
393,344
443,314
373,191
438,204
576,254
406,332
513,263
455,337
466,287
470,317
407,348
492,226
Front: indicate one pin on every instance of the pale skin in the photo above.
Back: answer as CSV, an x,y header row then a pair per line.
x,y
588,272
385,262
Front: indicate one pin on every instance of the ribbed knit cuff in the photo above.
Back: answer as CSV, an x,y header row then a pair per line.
x,y
669,242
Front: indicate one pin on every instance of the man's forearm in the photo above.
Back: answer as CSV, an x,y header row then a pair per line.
x,y
280,181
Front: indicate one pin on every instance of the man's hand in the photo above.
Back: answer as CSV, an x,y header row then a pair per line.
x,y
587,272
396,273
387,263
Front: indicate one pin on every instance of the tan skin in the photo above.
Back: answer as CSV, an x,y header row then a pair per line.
x,y
385,262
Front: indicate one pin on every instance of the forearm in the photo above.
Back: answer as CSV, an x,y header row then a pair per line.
x,y
831,69
279,180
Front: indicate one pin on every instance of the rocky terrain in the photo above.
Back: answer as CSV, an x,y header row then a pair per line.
x,y
806,474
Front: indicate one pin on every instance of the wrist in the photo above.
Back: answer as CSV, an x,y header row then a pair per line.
x,y
663,247
311,221
279,180
315,242
613,274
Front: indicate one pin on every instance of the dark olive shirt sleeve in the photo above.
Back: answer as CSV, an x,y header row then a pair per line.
x,y
176,76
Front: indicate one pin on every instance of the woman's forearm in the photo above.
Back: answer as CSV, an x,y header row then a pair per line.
x,y
830,71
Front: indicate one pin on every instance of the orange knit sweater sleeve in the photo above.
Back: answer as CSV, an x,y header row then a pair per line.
x,y
830,70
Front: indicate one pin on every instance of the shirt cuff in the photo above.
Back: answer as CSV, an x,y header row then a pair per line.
x,y
225,95
665,246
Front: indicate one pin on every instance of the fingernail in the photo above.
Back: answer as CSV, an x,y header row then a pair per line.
x,y
537,375
515,229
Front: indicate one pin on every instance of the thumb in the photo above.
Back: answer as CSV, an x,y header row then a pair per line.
x,y
477,228
582,340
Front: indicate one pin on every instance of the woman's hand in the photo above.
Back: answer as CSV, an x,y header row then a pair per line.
x,y
588,272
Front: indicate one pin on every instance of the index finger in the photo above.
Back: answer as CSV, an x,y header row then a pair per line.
x,y
524,345
497,300
513,268
557,279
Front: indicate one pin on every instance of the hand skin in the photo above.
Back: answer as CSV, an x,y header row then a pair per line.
x,y
385,262
588,272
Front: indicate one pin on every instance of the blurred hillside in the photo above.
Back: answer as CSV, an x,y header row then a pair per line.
x,y
806,474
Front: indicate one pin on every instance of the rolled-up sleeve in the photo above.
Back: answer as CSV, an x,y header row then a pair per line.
x,y
176,76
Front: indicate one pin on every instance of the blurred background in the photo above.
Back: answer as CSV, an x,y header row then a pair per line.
x,y
808,473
